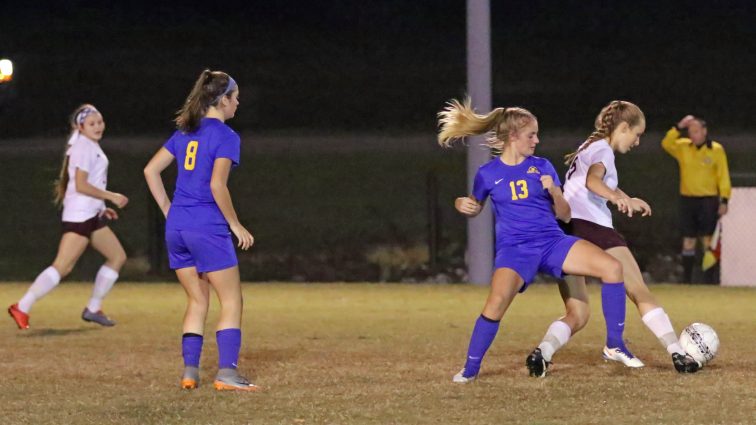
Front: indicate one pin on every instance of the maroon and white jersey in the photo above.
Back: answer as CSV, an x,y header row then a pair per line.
x,y
88,156
585,204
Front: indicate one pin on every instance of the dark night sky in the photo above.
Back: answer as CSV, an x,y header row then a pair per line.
x,y
379,66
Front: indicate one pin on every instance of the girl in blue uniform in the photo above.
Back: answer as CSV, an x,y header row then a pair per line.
x,y
200,220
524,190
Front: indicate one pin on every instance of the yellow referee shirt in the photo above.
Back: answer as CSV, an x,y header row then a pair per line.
x,y
703,169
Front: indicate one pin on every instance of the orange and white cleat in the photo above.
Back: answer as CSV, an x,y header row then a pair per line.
x,y
230,380
21,318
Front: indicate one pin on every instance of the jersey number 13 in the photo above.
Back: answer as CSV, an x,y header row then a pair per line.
x,y
522,193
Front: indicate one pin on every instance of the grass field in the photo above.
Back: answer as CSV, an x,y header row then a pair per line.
x,y
378,354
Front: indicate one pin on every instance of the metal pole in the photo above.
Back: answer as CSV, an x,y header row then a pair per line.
x,y
480,234
433,219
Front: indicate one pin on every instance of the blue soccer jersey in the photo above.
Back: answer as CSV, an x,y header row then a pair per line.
x,y
523,209
528,238
193,206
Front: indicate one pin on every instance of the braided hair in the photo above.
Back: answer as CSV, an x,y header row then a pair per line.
x,y
610,117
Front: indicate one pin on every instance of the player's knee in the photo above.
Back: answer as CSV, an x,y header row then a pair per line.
x,y
64,269
117,261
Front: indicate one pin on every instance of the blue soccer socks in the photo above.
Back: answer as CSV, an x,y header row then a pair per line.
x,y
191,348
483,335
229,344
613,305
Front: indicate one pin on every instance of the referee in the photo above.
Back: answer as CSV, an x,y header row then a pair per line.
x,y
704,184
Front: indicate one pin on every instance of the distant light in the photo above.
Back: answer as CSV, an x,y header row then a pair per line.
x,y
6,70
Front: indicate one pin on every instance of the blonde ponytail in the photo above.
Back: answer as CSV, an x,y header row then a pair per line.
x,y
459,120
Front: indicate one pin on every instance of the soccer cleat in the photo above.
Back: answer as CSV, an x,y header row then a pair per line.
x,y
21,318
685,363
622,355
232,381
190,380
98,317
538,367
460,377
188,384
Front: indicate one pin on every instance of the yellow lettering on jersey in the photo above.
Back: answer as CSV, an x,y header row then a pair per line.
x,y
191,155
523,189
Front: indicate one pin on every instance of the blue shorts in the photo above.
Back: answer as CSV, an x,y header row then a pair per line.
x,y
544,255
206,252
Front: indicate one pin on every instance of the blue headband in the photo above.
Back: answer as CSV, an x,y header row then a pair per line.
x,y
231,86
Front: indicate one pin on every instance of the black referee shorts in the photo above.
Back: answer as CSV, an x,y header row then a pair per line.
x,y
698,215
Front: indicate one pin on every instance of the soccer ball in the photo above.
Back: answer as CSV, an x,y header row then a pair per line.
x,y
700,341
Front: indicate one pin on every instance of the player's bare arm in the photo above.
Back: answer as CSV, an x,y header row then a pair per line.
x,y
595,183
561,207
162,159
222,196
83,187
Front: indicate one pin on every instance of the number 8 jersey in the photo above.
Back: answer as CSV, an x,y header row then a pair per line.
x,y
522,208
193,206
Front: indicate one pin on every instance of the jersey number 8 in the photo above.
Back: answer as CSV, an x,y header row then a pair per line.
x,y
191,155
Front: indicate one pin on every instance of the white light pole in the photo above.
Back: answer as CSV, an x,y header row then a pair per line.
x,y
480,234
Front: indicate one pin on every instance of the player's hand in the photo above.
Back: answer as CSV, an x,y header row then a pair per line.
x,y
639,205
623,205
467,206
685,121
722,209
110,214
547,182
246,240
119,200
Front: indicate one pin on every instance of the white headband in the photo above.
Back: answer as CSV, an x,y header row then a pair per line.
x,y
79,120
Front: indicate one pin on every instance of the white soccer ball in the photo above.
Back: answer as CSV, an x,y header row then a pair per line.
x,y
700,341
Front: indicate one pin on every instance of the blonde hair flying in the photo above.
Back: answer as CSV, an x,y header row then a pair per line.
x,y
459,120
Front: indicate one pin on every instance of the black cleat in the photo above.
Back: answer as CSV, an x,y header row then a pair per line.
x,y
537,366
685,363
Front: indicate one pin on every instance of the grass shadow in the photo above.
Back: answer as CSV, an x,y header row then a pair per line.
x,y
56,332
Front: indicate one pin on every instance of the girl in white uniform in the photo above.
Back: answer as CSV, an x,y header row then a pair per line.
x,y
591,181
81,189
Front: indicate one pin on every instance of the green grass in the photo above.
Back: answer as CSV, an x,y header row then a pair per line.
x,y
366,354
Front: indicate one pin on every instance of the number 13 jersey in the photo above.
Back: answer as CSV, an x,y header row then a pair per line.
x,y
522,208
